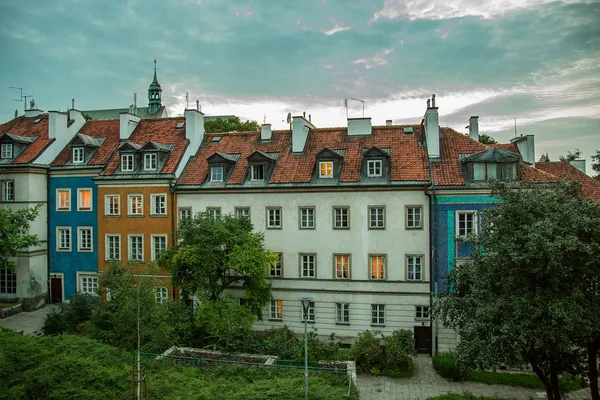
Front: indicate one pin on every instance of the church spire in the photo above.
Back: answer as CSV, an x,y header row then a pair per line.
x,y
154,94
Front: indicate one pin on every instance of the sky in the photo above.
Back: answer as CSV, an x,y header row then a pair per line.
x,y
534,60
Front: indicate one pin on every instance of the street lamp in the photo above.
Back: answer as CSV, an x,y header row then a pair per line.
x,y
305,304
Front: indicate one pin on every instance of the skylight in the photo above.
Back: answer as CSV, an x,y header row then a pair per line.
x,y
37,120
179,125
216,139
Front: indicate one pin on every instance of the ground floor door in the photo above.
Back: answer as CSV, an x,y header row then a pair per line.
x,y
56,289
423,339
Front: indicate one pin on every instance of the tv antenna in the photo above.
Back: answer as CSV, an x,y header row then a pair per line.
x,y
22,98
515,127
352,98
289,120
187,100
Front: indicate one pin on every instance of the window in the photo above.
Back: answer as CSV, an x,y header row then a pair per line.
x,y
326,169
276,311
488,171
421,312
185,213
216,174
63,238
308,265
277,271
273,217
214,212
63,199
136,204
341,217
377,267
374,168
159,244
136,247
112,204
113,247
307,218
7,150
84,197
311,312
150,162
84,238
414,217
78,154
466,223
159,204
414,268
377,314
126,162
242,212
161,294
342,266
342,313
88,284
257,172
8,190
376,217
8,281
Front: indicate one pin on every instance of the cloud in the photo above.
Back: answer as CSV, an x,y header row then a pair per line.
x,y
376,61
336,28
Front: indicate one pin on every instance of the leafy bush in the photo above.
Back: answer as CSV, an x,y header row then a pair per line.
x,y
69,316
386,355
399,349
282,342
446,365
367,350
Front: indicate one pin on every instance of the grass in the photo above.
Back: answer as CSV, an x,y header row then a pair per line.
x,y
9,305
530,381
465,396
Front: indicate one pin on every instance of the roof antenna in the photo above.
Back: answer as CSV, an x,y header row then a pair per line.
x,y
21,97
72,104
346,106
363,105
515,127
198,105
187,100
265,119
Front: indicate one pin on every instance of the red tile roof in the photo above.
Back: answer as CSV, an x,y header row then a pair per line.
x,y
161,131
408,161
25,127
590,187
108,129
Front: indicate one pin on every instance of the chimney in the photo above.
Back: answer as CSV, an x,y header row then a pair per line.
x,y
194,126
579,164
432,130
57,124
265,133
359,126
61,127
474,128
197,105
127,125
300,128
32,112
526,146
388,122
72,104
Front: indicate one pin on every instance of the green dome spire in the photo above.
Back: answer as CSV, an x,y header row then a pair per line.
x,y
154,94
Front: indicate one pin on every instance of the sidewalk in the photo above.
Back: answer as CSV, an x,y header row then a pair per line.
x,y
427,383
30,323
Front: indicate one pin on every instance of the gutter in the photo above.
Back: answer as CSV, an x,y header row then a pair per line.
x,y
433,256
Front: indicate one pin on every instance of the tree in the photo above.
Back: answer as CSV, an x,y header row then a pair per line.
x,y
487,139
596,164
215,254
571,156
531,293
14,233
230,124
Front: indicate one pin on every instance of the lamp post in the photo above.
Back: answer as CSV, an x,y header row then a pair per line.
x,y
305,304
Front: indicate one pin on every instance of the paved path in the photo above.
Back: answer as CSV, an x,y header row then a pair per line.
x,y
426,383
30,323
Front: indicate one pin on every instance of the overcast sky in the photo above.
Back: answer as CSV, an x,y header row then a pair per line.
x,y
534,60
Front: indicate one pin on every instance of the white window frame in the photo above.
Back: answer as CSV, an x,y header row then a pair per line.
x,y
80,233
375,165
257,172
154,238
107,246
7,151
130,209
242,212
161,294
150,161
58,199
339,272
108,204
414,214
311,312
79,192
383,266
276,310
328,169
341,210
213,212
308,265
78,155
465,214
158,204
377,314
216,173
411,260
277,215
8,281
420,314
185,213
59,238
307,217
93,280
379,214
277,271
8,190
127,162
130,248
342,313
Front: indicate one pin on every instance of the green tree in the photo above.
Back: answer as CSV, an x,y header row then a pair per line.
x,y
531,293
487,139
596,164
14,233
230,124
215,254
571,156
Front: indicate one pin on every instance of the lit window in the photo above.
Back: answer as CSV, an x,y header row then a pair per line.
x,y
307,218
377,267
421,312
242,212
63,238
342,266
136,204
326,169
311,312
8,281
112,204
216,174
136,247
276,309
308,265
274,218
277,271
159,204
213,212
159,244
150,161
88,284
127,162
84,239
342,313
377,314
8,190
376,217
113,247
85,199
415,268
161,294
341,217
257,172
78,154
466,223
63,199
413,217
7,150
374,168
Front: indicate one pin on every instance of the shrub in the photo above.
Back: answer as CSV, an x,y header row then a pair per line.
x,y
69,316
320,350
282,342
446,365
367,350
385,355
399,349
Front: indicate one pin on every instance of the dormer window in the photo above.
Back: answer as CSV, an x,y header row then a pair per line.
x,y
376,163
489,171
220,166
493,163
374,168
216,173
7,150
257,172
326,169
127,162
150,161
78,155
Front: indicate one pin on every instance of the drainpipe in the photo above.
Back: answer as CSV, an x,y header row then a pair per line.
x,y
173,226
48,252
433,213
